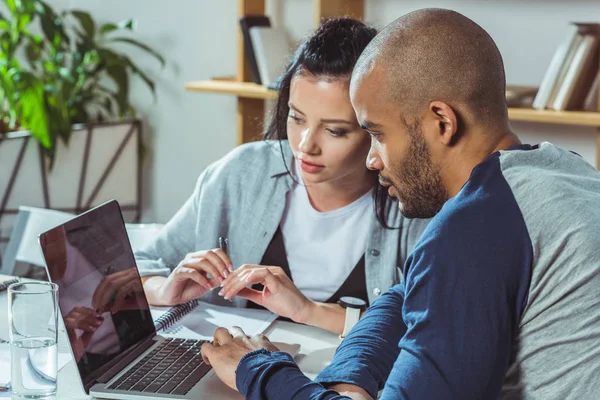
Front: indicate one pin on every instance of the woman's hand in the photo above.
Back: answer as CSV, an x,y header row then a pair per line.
x,y
279,295
190,279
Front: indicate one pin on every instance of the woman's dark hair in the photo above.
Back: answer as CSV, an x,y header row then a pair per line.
x,y
330,52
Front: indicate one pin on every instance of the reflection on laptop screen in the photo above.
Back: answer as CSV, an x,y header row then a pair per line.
x,y
100,292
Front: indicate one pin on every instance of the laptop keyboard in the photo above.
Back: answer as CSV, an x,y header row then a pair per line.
x,y
174,367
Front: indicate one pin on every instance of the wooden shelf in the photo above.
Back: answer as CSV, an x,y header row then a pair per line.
x,y
581,118
254,91
239,89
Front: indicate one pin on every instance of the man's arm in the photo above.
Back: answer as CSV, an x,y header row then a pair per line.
x,y
364,359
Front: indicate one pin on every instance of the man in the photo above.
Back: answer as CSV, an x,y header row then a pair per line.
x,y
501,296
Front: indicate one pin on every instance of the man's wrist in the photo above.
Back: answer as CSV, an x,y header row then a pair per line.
x,y
250,355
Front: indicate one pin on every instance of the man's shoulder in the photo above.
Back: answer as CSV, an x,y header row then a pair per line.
x,y
485,209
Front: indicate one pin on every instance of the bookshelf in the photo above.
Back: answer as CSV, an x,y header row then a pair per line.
x,y
251,97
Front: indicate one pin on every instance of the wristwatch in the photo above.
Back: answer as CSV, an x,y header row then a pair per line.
x,y
353,307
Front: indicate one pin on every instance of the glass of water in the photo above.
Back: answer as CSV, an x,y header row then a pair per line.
x,y
33,321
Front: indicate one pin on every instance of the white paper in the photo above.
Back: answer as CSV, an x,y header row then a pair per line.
x,y
203,320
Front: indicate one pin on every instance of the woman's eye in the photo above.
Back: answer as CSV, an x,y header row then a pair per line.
x,y
336,132
295,119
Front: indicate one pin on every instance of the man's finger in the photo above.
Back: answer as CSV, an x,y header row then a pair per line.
x,y
207,350
236,331
222,336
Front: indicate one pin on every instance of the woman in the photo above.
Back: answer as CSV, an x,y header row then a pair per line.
x,y
300,207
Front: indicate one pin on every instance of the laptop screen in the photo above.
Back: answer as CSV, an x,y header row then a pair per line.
x,y
100,292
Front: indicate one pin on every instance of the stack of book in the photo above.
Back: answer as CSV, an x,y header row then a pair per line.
x,y
267,49
571,80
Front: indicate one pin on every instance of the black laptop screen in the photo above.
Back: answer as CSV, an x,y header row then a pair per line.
x,y
100,292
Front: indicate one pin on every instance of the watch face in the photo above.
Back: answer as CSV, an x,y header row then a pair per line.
x,y
353,302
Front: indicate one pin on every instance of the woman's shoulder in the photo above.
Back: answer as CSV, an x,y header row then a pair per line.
x,y
265,157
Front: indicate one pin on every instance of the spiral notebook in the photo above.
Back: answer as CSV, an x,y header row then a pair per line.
x,y
199,320
6,282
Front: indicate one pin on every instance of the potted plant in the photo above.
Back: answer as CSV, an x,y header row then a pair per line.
x,y
69,137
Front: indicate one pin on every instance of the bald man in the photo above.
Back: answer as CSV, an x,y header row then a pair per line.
x,y
501,296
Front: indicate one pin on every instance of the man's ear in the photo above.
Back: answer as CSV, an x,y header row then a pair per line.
x,y
446,121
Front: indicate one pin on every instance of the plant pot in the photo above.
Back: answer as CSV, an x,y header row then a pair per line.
x,y
101,162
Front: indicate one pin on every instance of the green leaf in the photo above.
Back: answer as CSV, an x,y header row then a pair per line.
x,y
107,28
33,113
22,21
141,46
12,5
121,79
32,51
86,21
130,24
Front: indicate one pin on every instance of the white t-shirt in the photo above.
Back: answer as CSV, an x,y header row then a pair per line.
x,y
322,248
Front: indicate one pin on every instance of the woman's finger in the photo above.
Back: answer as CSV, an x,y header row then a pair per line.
x,y
226,260
262,275
255,296
234,286
185,273
206,266
218,263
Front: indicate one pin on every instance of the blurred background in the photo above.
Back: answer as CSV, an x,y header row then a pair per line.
x,y
182,131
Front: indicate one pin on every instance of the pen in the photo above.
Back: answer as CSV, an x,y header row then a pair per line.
x,y
223,242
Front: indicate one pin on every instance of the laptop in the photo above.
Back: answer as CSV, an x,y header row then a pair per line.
x,y
118,353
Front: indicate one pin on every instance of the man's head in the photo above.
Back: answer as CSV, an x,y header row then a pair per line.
x,y
430,89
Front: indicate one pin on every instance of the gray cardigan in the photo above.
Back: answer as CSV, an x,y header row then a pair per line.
x,y
242,197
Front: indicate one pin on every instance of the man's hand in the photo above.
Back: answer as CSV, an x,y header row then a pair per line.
x,y
228,349
189,280
279,295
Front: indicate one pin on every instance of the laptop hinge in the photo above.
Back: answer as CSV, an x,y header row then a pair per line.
x,y
124,362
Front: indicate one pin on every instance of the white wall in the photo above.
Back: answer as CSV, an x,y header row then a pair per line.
x,y
186,131
198,38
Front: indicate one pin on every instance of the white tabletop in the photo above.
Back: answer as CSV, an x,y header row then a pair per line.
x,y
317,349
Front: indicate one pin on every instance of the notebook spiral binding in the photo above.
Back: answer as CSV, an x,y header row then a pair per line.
x,y
166,321
4,285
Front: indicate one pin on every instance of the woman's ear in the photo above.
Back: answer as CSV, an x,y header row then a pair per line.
x,y
446,121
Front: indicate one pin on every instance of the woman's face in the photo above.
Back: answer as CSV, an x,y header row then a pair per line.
x,y
324,135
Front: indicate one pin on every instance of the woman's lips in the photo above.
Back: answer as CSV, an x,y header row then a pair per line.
x,y
310,167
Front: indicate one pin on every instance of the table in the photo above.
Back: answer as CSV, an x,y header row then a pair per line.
x,y
318,347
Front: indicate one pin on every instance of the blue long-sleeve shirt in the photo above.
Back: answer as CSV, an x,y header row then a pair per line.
x,y
500,297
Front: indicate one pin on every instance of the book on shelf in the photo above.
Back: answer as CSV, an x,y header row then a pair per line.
x,y
246,23
271,50
571,72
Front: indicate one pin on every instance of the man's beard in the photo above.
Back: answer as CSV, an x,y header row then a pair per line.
x,y
417,180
